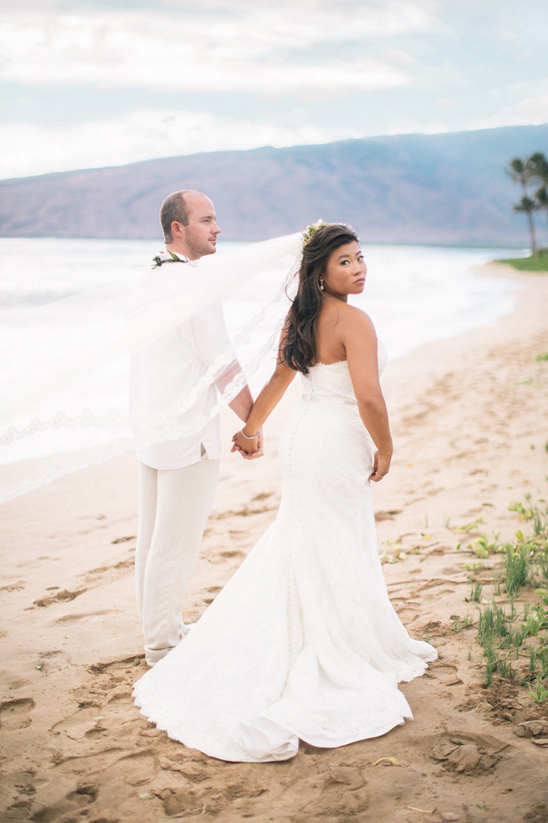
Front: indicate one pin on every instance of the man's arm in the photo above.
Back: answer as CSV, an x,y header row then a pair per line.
x,y
241,404
212,341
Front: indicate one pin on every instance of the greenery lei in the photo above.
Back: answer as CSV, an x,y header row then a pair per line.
x,y
166,257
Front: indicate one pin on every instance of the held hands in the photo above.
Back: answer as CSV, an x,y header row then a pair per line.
x,y
250,449
381,466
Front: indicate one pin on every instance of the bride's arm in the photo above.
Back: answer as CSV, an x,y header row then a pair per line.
x,y
360,341
264,405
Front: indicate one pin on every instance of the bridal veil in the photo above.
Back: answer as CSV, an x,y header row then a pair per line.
x,y
69,368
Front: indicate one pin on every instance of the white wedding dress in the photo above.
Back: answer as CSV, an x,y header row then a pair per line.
x,y
303,642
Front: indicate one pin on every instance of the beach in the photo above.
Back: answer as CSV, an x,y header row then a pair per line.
x,y
469,416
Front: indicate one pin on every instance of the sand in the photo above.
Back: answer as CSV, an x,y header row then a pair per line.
x,y
469,417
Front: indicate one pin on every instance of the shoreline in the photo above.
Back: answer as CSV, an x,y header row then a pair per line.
x,y
468,415
17,466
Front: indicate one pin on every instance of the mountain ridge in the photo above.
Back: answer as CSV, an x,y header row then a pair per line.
x,y
446,188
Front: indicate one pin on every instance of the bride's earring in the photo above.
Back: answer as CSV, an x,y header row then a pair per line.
x,y
322,287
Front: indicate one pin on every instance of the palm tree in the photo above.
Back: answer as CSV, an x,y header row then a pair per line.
x,y
539,173
541,196
519,172
537,166
522,172
528,205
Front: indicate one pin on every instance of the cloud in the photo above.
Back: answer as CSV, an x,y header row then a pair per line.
x,y
530,108
316,45
323,70
27,150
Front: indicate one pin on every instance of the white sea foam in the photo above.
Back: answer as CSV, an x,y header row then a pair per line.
x,y
414,294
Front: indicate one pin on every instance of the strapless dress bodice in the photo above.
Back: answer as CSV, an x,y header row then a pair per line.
x,y
333,379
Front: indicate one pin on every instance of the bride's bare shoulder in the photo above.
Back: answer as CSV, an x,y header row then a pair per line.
x,y
346,322
357,320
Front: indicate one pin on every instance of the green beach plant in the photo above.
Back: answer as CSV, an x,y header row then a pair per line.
x,y
483,547
514,640
461,623
516,567
525,512
539,693
472,567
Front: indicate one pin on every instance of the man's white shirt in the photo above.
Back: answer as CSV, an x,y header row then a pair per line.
x,y
165,372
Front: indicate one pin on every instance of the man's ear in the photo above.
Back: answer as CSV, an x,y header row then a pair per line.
x,y
176,229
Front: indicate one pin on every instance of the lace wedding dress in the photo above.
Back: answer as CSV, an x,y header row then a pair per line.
x,y
303,642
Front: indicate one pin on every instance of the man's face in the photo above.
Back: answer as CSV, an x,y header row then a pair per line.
x,y
200,236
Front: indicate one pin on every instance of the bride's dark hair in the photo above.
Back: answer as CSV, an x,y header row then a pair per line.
x,y
299,350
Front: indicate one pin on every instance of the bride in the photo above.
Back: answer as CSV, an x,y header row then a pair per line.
x,y
303,643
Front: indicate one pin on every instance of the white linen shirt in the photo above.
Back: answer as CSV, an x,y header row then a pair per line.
x,y
165,372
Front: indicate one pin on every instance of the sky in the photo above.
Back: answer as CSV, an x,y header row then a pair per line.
x,y
93,83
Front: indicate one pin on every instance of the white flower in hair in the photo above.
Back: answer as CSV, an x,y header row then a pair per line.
x,y
310,231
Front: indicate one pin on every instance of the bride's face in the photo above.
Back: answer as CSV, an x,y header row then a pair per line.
x,y
345,271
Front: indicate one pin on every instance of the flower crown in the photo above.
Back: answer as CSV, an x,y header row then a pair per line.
x,y
310,231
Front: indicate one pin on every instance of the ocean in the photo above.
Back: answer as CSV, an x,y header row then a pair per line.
x,y
414,294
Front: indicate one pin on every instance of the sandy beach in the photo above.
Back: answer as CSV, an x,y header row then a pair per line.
x,y
470,424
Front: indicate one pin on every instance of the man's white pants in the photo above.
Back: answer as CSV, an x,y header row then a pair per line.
x,y
173,509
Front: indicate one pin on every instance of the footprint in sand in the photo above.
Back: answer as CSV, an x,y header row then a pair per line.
x,y
133,768
467,753
112,718
230,554
301,791
339,792
75,618
93,577
77,801
245,511
119,666
13,587
433,628
450,586
15,714
445,673
80,724
262,496
52,661
212,590
389,514
532,729
110,572
117,673
136,768
62,596
85,794
90,764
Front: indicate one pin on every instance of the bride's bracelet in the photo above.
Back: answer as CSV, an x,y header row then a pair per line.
x,y
247,437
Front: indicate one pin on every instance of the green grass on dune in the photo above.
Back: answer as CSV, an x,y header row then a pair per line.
x,y
536,262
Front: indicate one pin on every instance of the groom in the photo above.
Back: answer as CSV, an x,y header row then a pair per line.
x,y
178,477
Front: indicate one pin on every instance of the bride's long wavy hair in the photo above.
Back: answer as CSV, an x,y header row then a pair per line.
x,y
299,350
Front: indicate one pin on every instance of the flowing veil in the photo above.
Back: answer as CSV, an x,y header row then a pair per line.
x,y
69,367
